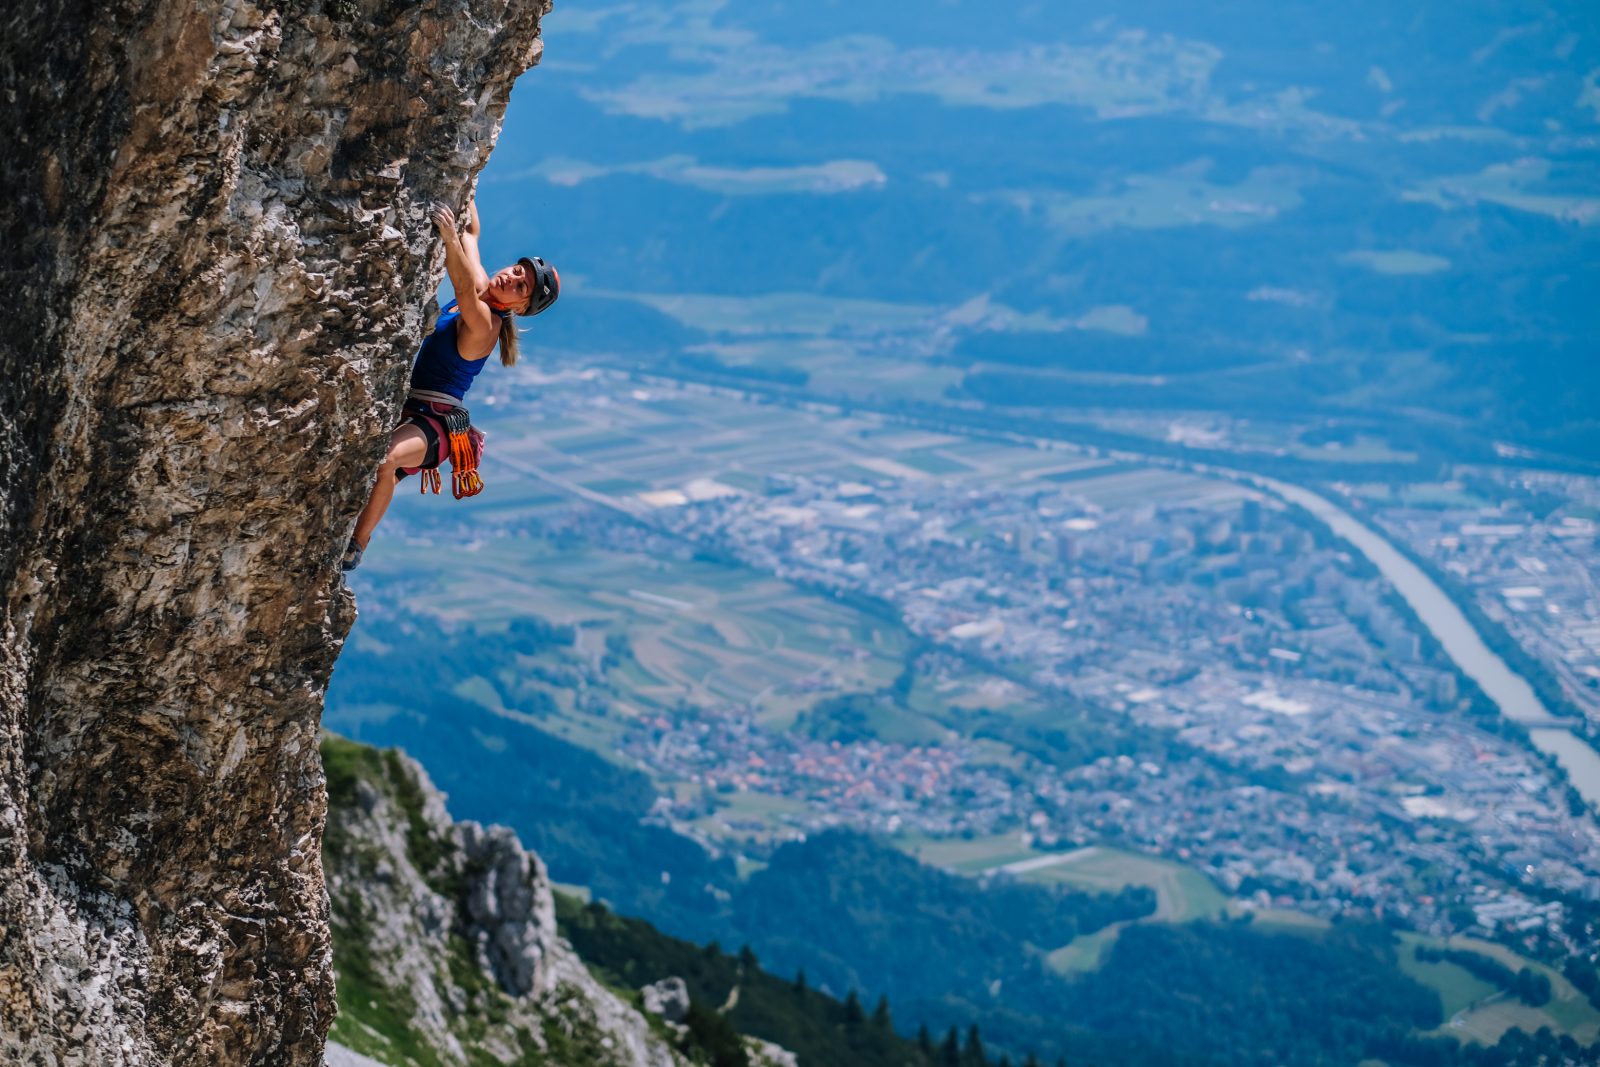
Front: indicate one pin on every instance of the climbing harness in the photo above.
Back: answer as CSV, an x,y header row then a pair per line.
x,y
449,427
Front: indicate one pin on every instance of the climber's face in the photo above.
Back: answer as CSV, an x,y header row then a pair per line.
x,y
510,287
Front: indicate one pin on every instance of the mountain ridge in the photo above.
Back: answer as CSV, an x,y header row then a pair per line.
x,y
445,935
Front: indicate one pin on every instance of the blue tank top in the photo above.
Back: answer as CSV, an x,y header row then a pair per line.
x,y
440,366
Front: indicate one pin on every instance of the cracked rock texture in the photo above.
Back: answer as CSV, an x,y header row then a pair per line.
x,y
447,948
217,264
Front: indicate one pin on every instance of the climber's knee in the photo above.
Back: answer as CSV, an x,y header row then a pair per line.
x,y
408,447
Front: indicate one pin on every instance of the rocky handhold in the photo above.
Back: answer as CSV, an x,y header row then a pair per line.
x,y
668,998
510,920
766,1054
217,260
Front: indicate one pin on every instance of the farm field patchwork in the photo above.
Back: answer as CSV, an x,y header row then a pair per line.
x,y
1182,893
666,444
968,855
1458,988
1483,1018
701,631
1085,953
675,632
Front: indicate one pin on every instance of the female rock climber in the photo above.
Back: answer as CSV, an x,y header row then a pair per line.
x,y
435,423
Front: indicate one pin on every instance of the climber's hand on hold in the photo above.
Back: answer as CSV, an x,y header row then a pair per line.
x,y
445,219
468,238
465,268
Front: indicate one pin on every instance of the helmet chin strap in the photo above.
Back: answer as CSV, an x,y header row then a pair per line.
x,y
497,305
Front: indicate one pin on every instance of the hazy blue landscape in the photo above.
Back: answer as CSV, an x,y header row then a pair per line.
x,y
1371,215
946,536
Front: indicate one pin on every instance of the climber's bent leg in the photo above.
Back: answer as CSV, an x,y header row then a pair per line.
x,y
408,447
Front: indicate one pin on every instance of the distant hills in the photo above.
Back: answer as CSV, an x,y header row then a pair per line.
x,y
1363,214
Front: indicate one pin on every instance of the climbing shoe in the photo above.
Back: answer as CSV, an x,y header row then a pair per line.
x,y
352,556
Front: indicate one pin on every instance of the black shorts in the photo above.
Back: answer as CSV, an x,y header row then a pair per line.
x,y
434,455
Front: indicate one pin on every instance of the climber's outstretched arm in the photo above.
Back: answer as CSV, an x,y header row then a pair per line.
x,y
469,245
478,327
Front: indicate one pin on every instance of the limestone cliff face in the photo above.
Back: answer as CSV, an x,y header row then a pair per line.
x,y
215,260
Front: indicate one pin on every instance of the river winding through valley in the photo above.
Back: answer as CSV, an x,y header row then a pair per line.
x,y
1460,639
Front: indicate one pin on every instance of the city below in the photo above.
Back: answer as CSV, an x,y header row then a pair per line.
x,y
1172,662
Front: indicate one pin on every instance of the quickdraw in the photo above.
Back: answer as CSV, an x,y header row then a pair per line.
x,y
464,477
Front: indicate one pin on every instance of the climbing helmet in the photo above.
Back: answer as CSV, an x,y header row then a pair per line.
x,y
546,284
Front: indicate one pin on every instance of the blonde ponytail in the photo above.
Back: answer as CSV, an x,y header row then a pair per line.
x,y
508,340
